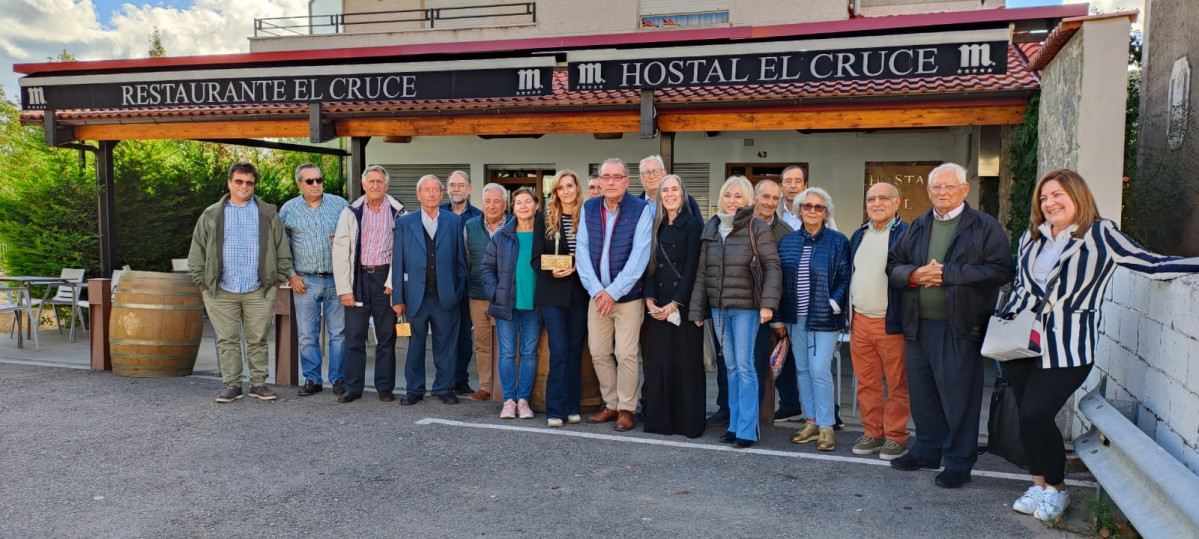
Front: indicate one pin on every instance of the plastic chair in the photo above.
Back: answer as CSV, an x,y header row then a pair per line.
x,y
18,304
179,265
64,296
116,279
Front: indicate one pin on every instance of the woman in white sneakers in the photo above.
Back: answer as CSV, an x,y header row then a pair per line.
x,y
1065,260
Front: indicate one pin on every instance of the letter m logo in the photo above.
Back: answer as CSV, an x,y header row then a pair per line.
x,y
976,56
589,74
36,98
529,81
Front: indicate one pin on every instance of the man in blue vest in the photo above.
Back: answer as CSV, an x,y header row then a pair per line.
x,y
458,187
612,251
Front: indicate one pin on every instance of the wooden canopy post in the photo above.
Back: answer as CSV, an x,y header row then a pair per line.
x,y
106,206
357,167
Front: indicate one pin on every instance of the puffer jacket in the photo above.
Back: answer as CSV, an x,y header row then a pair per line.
x,y
498,273
829,273
723,279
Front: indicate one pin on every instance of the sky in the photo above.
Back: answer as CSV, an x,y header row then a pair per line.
x,y
111,29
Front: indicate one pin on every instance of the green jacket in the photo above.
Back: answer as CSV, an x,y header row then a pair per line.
x,y
208,242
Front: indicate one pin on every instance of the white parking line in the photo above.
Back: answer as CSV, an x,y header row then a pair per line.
x,y
712,447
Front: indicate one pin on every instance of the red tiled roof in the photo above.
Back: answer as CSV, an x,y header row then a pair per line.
x,y
1017,79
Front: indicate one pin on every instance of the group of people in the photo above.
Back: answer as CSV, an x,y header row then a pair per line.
x,y
639,277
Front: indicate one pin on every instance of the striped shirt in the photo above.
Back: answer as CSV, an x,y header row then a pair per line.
x,y
803,282
377,225
567,230
310,231
239,256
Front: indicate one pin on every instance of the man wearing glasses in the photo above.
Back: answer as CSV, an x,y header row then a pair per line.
x,y
239,253
651,172
310,220
949,267
594,186
612,250
458,187
876,331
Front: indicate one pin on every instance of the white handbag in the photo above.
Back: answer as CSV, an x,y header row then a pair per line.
x,y
1015,337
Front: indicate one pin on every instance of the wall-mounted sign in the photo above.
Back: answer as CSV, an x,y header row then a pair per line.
x,y
925,55
911,178
277,86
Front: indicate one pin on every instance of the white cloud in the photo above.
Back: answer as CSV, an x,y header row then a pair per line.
x,y
37,29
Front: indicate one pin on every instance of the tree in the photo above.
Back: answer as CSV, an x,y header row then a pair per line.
x,y
64,57
156,48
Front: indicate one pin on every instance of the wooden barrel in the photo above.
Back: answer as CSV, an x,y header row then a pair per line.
x,y
156,326
590,401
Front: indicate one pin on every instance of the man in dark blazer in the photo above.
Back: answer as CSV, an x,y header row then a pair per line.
x,y
428,283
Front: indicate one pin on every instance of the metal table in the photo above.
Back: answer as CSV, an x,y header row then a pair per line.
x,y
27,281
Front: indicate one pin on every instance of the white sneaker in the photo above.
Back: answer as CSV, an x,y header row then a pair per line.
x,y
554,422
1028,502
1053,504
574,418
509,411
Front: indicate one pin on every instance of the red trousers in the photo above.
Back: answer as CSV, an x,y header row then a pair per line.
x,y
876,356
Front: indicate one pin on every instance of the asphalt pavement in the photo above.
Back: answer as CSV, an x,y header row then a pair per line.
x,y
92,454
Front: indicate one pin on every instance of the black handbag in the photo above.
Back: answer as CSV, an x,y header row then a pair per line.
x,y
1003,427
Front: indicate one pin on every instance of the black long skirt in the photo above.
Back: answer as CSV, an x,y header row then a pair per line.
x,y
674,390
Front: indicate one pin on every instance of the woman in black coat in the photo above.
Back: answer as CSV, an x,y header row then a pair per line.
x,y
674,387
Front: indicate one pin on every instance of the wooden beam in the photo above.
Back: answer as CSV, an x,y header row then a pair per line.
x,y
691,121
526,124
195,130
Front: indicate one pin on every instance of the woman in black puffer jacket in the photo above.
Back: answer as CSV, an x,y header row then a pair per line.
x,y
724,291
815,301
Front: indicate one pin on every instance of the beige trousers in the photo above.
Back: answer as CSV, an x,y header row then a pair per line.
x,y
614,345
483,329
229,313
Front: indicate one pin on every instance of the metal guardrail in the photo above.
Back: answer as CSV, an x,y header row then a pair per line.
x,y
1157,493
303,25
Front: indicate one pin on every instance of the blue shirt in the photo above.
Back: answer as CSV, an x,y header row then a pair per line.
x,y
310,231
619,285
239,257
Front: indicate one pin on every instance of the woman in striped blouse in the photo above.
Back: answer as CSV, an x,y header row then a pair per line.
x,y
816,272
1065,260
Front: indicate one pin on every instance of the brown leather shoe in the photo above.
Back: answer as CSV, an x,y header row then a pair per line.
x,y
624,421
603,416
480,395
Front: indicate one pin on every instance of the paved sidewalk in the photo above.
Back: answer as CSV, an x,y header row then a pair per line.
x,y
92,454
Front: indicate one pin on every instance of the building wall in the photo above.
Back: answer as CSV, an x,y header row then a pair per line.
x,y
836,160
578,17
1172,34
1149,349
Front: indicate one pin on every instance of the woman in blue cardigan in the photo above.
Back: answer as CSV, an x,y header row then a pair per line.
x,y
1065,260
816,273
509,283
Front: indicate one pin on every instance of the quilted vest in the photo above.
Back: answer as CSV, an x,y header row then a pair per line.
x,y
630,209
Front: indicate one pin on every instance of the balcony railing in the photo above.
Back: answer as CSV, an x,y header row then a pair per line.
x,y
406,19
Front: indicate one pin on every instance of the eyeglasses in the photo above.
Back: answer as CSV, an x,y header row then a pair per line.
x,y
609,178
593,188
653,172
880,198
814,208
240,182
311,181
946,188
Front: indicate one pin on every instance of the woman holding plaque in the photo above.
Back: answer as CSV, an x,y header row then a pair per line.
x,y
509,283
561,298
672,352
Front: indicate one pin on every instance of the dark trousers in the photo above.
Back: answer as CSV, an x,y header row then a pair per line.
x,y
945,379
465,345
566,331
444,323
377,305
1040,393
786,385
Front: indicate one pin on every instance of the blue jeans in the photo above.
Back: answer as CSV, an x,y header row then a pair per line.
x,y
738,329
524,330
320,297
566,328
813,368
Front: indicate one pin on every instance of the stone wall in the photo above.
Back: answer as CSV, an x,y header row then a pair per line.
x,y
1149,350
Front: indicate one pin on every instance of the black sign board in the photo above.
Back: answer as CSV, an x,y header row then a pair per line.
x,y
396,86
895,62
